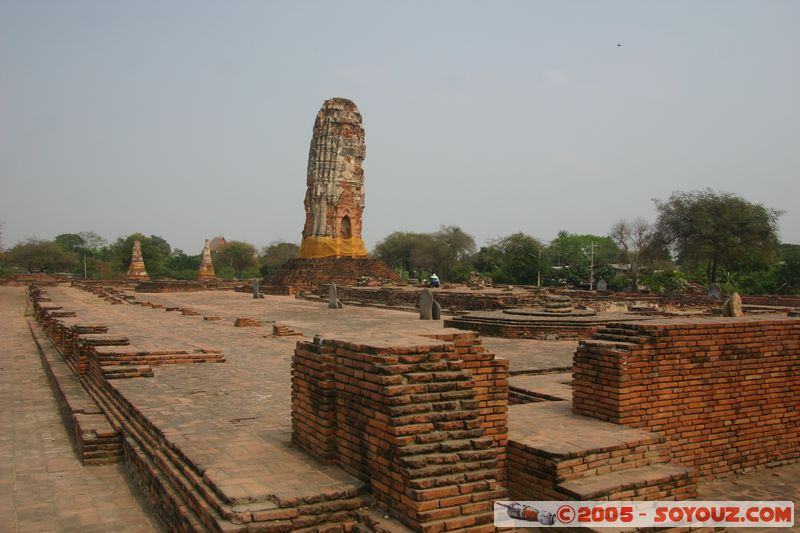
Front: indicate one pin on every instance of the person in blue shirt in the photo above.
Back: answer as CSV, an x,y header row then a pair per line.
x,y
434,280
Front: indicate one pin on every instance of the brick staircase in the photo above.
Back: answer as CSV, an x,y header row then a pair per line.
x,y
555,455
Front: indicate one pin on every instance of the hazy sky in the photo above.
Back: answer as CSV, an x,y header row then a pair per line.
x,y
193,119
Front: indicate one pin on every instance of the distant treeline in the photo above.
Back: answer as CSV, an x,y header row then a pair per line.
x,y
699,237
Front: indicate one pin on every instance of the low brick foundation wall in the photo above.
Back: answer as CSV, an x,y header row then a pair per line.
x,y
725,392
788,301
175,286
465,299
310,274
423,422
525,330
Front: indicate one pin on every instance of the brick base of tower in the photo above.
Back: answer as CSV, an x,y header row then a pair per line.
x,y
309,274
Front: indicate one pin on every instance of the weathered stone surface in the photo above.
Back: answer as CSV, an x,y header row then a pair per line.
x,y
333,299
136,270
334,199
426,304
206,272
436,311
733,306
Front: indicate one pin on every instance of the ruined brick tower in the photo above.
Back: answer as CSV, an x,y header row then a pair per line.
x,y
334,199
332,250
136,270
206,271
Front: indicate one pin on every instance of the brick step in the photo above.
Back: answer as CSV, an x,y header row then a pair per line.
x,y
159,359
608,345
552,452
127,372
627,339
114,356
653,482
574,439
211,506
621,329
96,440
104,339
170,507
185,481
561,321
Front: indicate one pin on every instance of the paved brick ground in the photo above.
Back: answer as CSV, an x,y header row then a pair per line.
x,y
529,355
313,317
43,486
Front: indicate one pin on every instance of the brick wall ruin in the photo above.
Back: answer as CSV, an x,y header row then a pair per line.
x,y
725,392
423,422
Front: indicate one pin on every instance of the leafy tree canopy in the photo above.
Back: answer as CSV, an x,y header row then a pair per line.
x,y
444,252
41,256
237,255
717,230
513,259
276,254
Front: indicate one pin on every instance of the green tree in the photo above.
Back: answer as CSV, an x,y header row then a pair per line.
x,y
717,230
446,251
238,255
276,254
41,256
92,242
513,259
572,257
155,252
88,246
181,266
397,250
71,241
452,250
788,269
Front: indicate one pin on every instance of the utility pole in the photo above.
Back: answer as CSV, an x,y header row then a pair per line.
x,y
591,267
539,268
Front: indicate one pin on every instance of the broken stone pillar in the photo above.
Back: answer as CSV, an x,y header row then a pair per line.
x,y
136,270
436,311
206,272
426,304
333,298
256,293
334,199
733,306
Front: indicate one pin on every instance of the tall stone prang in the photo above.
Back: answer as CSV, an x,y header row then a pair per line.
x,y
136,270
334,199
206,271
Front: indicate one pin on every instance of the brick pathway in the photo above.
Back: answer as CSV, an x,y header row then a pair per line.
x,y
43,486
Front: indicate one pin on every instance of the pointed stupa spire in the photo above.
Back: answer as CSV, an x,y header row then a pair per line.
x,y
136,271
206,272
